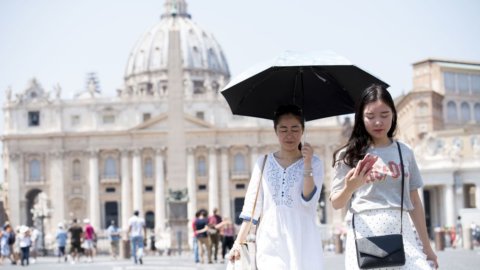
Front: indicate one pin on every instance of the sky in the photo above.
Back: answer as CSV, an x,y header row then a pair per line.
x,y
60,41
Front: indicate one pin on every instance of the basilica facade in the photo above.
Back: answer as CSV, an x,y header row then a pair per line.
x,y
167,144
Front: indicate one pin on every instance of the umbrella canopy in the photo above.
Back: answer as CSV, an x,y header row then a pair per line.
x,y
323,84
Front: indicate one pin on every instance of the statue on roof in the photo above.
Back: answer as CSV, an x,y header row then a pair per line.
x,y
8,93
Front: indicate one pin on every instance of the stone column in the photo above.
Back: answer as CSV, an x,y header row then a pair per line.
x,y
94,202
225,187
14,170
253,157
449,205
477,195
191,190
57,188
137,182
126,202
160,200
212,179
191,185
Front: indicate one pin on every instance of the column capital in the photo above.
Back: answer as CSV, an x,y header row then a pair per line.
x,y
224,149
93,152
137,151
191,149
213,148
14,156
57,153
125,151
160,151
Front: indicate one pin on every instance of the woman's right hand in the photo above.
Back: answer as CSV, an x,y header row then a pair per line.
x,y
360,175
234,253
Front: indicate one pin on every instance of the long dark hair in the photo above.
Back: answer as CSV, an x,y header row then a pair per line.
x,y
360,140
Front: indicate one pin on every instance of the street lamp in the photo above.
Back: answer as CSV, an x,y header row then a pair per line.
x,y
40,211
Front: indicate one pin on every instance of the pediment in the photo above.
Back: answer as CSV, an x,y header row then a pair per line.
x,y
160,123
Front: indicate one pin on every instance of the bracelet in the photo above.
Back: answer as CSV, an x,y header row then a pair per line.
x,y
307,173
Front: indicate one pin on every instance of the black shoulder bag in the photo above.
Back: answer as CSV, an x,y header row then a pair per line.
x,y
384,250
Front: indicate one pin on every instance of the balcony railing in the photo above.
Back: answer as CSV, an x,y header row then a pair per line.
x,y
240,175
109,179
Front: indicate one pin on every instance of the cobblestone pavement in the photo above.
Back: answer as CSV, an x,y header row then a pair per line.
x,y
448,259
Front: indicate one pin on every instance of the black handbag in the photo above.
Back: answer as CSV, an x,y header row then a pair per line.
x,y
385,250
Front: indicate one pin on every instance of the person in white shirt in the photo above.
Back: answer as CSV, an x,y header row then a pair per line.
x,y
25,243
137,231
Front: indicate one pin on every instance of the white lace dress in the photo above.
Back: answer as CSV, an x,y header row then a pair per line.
x,y
288,236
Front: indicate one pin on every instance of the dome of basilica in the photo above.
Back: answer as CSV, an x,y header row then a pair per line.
x,y
148,60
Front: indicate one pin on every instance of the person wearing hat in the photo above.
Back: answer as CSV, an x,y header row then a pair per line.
x,y
61,238
25,243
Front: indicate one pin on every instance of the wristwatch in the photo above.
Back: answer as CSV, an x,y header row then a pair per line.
x,y
308,173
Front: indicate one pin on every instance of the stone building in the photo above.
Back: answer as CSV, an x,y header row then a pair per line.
x,y
440,118
166,145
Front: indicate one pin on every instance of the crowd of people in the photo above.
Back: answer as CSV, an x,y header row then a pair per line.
x,y
209,233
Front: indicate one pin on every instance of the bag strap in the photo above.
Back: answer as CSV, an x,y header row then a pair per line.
x,y
258,189
403,188
403,185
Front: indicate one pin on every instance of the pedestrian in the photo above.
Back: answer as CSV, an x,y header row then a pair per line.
x,y
113,233
137,231
214,233
368,180
152,241
61,238
201,228
36,243
228,235
25,243
196,256
76,233
458,232
88,239
290,186
5,239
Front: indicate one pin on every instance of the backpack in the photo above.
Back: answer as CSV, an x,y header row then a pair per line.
x,y
11,238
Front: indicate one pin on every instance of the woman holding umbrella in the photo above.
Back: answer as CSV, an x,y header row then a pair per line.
x,y
290,185
377,178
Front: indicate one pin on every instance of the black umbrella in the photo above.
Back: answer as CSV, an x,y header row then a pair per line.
x,y
323,84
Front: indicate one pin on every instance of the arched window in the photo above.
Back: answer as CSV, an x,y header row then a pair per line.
x,y
150,220
465,108
239,163
34,170
110,169
76,170
476,110
201,166
452,112
148,168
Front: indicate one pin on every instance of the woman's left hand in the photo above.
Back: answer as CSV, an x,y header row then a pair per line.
x,y
307,153
432,257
